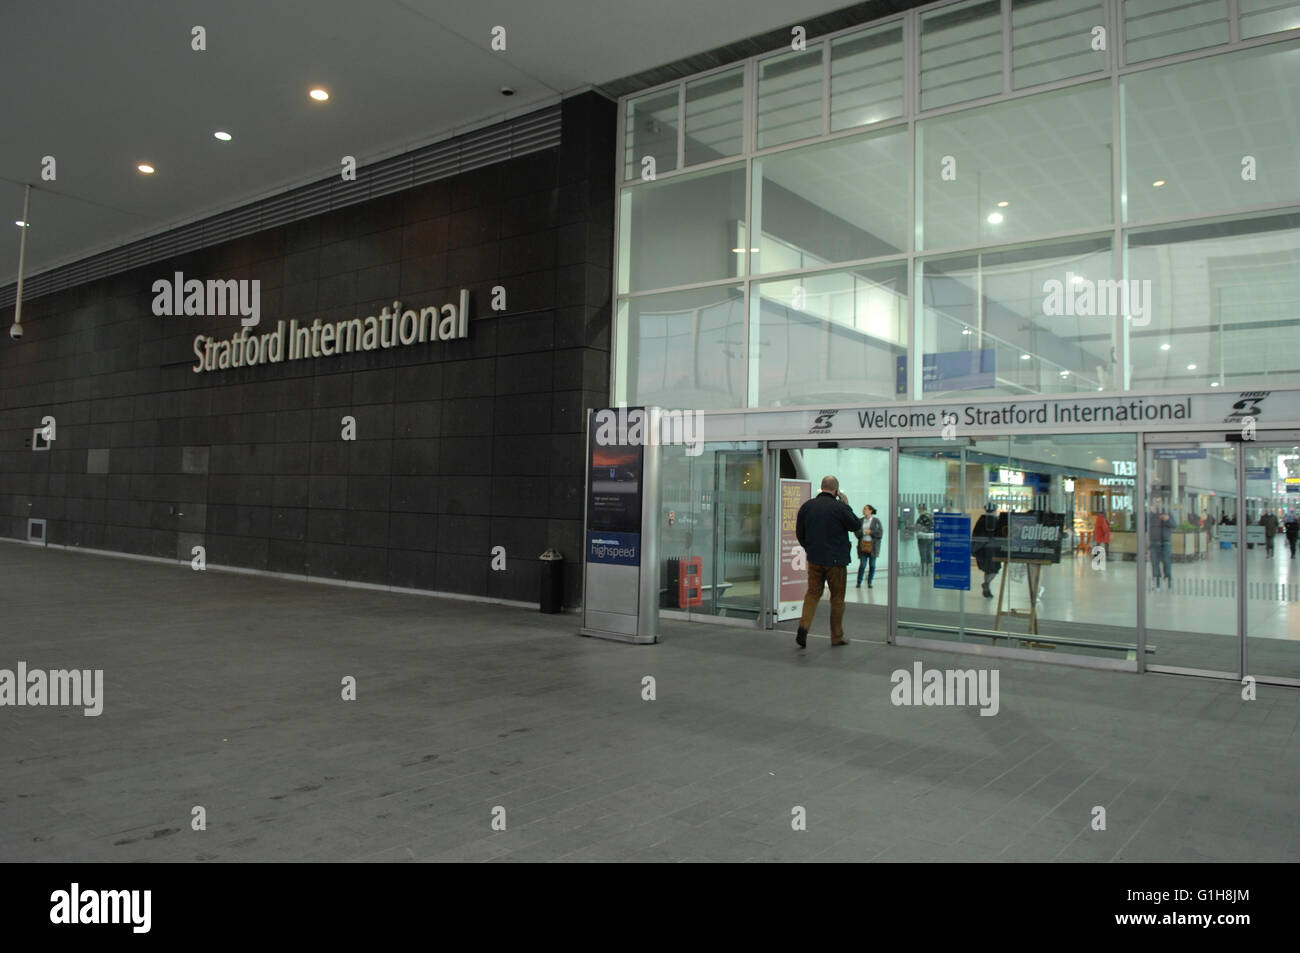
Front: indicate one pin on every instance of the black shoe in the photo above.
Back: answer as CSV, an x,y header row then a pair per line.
x,y
801,637
987,593
868,585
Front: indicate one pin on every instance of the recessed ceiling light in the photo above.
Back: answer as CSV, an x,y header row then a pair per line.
x,y
1191,367
223,136
1165,347
995,218
1214,383
1065,373
318,94
967,331
1157,183
146,168
1024,357
21,224
507,91
1003,204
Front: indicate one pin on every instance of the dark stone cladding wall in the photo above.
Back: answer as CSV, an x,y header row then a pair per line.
x,y
461,445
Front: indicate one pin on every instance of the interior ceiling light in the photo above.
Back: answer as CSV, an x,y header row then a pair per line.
x,y
1214,383
995,218
146,168
1065,373
1003,204
1165,347
21,224
318,94
1191,367
967,331
1078,279
1024,357
223,136
1158,183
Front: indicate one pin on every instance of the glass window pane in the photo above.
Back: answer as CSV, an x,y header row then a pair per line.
x,y
651,130
1224,300
841,201
1155,28
790,97
1084,597
830,338
1260,17
961,53
1188,127
999,323
685,349
867,77
1047,156
682,231
1053,40
715,117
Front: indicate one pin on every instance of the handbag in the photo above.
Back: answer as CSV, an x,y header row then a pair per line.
x,y
865,546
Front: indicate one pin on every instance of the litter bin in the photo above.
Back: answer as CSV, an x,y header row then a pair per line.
x,y
552,581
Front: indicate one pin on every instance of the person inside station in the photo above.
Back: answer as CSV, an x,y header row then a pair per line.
x,y
984,545
925,539
1101,532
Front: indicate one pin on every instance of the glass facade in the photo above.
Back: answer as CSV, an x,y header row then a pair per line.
x,y
1000,198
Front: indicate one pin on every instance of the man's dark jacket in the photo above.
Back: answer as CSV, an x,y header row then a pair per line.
x,y
821,527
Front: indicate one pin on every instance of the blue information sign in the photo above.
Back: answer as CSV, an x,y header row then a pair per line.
x,y
951,551
958,370
1179,453
1259,473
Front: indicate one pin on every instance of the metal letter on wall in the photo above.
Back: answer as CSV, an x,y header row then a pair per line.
x,y
621,541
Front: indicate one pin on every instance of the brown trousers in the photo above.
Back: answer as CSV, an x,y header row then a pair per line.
x,y
818,578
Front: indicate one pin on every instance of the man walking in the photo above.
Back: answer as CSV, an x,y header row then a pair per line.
x,y
822,528
1269,522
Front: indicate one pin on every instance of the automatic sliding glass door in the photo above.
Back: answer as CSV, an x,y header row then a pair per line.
x,y
1190,569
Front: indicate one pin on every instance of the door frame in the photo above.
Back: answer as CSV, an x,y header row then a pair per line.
x,y
1156,439
771,532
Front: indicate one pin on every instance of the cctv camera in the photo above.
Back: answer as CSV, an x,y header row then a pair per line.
x,y
16,331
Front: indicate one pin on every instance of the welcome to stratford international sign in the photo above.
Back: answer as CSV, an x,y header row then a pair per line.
x,y
1227,410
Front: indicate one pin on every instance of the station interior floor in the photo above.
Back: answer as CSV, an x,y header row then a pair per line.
x,y
222,690
1189,625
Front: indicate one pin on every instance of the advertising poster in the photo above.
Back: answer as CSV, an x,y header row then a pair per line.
x,y
951,551
794,567
614,503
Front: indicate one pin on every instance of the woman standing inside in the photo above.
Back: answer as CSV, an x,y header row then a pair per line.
x,y
869,545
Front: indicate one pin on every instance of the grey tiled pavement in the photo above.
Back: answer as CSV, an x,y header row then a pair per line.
x,y
223,690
